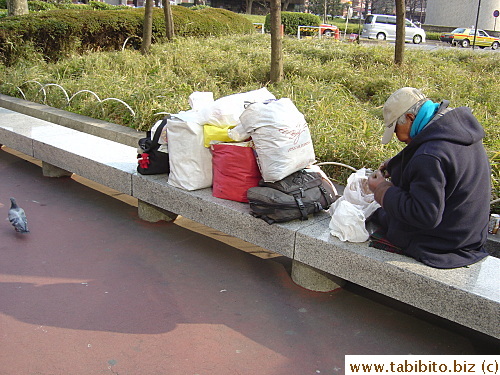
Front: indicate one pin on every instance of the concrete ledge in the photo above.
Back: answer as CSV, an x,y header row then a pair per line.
x,y
103,129
226,216
469,296
109,163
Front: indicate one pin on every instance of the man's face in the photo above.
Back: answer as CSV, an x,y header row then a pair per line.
x,y
403,130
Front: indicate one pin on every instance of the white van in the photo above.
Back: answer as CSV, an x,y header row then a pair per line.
x,y
383,27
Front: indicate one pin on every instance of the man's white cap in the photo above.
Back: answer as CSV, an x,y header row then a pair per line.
x,y
396,106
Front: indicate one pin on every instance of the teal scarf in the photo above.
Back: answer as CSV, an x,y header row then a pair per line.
x,y
424,116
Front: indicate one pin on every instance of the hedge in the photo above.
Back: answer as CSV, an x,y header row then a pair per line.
x,y
292,20
59,33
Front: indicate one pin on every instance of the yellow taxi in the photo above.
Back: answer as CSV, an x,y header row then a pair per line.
x,y
465,37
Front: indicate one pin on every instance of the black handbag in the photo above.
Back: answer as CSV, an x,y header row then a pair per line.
x,y
150,160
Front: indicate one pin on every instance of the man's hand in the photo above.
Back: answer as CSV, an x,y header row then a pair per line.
x,y
378,185
383,168
375,179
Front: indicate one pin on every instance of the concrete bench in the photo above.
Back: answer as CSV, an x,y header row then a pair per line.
x,y
467,296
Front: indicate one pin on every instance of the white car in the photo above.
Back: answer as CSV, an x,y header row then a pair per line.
x,y
383,27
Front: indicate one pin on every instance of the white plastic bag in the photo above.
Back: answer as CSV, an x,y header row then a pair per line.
x,y
281,136
190,160
199,99
350,211
226,111
357,191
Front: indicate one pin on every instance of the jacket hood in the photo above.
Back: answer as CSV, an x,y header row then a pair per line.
x,y
456,125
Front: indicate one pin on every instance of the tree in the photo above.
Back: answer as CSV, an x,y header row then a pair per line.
x,y
248,4
415,9
169,20
147,27
276,74
17,7
324,7
382,7
400,32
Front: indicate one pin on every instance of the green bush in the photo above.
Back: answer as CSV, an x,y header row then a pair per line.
x,y
59,33
198,7
100,5
74,6
39,6
3,4
292,20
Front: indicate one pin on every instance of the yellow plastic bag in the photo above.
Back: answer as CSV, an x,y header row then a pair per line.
x,y
216,133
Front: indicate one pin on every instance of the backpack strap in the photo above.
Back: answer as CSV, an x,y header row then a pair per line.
x,y
300,204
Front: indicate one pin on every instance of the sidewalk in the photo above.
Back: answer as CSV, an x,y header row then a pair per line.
x,y
95,290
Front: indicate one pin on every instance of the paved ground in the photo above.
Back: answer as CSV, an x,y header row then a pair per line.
x,y
95,290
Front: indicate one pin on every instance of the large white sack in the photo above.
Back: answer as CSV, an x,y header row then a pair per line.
x,y
190,160
226,111
281,136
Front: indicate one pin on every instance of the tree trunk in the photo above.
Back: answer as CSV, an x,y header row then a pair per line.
x,y
169,20
249,4
148,27
17,7
400,32
276,43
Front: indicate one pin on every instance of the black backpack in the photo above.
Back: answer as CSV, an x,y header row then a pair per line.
x,y
294,197
150,160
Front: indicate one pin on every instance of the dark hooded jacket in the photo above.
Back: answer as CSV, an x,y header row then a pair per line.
x,y
438,209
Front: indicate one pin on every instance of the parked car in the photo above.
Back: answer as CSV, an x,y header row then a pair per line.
x,y
465,37
383,27
448,37
329,30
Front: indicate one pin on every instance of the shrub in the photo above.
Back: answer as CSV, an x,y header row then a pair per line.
x,y
198,7
292,20
3,4
100,5
38,6
59,33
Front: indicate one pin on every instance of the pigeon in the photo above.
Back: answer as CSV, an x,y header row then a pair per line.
x,y
17,217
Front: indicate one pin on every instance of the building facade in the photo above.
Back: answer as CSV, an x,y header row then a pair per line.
x,y
463,13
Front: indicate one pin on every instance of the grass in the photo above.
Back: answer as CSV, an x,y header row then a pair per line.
x,y
340,87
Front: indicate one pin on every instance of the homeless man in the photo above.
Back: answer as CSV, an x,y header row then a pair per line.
x,y
436,206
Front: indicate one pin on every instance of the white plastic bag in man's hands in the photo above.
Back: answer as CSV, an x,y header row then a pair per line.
x,y
357,191
350,211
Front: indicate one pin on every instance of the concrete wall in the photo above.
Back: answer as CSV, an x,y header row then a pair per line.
x,y
462,13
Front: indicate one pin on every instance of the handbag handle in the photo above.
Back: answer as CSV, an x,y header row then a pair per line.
x,y
156,138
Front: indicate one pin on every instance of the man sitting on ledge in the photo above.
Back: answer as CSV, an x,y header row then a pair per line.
x,y
435,208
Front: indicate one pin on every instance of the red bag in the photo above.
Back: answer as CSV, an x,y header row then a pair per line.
x,y
235,170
